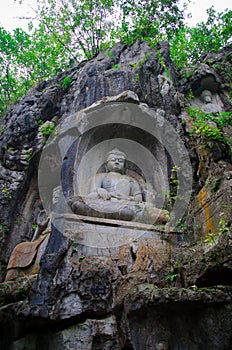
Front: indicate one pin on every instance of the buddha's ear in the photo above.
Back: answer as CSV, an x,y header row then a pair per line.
x,y
105,167
125,167
102,169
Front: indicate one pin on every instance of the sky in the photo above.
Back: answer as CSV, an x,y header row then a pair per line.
x,y
11,10
198,9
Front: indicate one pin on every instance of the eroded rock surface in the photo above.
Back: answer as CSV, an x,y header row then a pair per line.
x,y
169,287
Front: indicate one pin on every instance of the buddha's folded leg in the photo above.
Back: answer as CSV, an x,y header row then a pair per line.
x,y
154,216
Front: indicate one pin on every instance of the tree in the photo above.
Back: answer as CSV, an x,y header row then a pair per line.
x,y
81,26
84,26
70,30
12,49
189,43
27,59
150,20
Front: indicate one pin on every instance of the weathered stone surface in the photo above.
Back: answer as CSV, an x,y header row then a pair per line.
x,y
210,211
91,334
207,263
91,81
91,280
13,291
151,316
172,325
157,290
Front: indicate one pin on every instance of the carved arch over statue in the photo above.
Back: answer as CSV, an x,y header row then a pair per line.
x,y
150,142
86,157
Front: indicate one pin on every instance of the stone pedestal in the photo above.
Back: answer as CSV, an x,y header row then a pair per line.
x,y
105,237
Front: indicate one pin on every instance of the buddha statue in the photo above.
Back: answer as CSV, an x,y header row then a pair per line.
x,y
208,105
115,195
161,346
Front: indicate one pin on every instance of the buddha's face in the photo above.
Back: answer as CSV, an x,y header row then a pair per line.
x,y
161,346
207,97
115,163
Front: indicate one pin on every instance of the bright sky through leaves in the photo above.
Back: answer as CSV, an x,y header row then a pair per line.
x,y
11,11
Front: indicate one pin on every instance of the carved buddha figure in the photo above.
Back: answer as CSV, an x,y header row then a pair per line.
x,y
115,195
115,185
208,104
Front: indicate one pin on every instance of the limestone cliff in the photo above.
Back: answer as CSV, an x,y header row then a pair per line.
x,y
168,287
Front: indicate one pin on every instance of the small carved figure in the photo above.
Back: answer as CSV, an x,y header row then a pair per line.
x,y
115,195
161,346
25,257
208,105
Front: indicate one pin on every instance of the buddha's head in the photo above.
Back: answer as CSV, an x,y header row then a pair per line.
x,y
115,161
162,346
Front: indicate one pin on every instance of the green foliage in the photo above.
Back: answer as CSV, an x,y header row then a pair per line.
x,y
174,271
171,276
72,30
143,60
189,43
46,128
109,54
171,194
29,154
223,224
190,96
149,20
221,118
6,192
81,26
4,228
66,83
216,185
26,60
3,291
10,47
208,132
203,128
22,293
213,237
133,64
34,227
81,258
161,61
74,245
85,27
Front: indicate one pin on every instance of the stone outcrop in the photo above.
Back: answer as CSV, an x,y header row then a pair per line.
x,y
162,287
22,141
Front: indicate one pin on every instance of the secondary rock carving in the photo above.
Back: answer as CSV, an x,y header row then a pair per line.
x,y
25,257
209,105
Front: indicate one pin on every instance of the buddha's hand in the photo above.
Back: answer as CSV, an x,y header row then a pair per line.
x,y
103,194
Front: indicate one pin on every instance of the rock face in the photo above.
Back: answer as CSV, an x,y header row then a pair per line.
x,y
143,286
